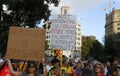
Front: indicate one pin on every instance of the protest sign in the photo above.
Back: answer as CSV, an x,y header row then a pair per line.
x,y
62,32
26,43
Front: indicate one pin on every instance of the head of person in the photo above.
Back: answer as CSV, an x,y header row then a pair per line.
x,y
78,65
114,71
107,63
115,63
118,60
118,70
98,68
65,63
54,71
55,62
31,67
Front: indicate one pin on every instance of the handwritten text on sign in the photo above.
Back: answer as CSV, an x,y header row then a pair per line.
x,y
26,43
62,32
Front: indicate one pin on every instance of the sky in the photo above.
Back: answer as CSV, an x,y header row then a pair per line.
x,y
90,14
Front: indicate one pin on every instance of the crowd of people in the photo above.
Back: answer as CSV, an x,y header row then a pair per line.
x,y
56,67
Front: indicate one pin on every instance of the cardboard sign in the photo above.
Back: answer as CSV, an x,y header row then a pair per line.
x,y
26,43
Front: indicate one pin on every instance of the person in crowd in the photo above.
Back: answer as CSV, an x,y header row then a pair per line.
x,y
1,60
48,65
107,68
114,71
66,69
41,68
118,61
78,68
54,71
55,63
115,63
74,71
31,70
87,71
2,64
15,66
118,70
98,69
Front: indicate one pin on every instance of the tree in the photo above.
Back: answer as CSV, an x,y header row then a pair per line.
x,y
96,51
86,45
22,13
112,46
46,45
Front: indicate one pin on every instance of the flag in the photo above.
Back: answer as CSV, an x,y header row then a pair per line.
x,y
58,53
22,66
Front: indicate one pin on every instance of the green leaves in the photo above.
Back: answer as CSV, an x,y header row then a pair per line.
x,y
112,46
23,13
86,45
96,50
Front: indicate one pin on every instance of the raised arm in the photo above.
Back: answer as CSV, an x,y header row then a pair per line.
x,y
44,68
14,73
82,64
2,64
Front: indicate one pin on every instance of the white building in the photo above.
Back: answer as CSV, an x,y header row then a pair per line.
x,y
78,37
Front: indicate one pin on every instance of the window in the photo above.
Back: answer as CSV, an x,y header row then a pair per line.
x,y
118,24
78,34
69,56
47,32
78,43
118,28
78,38
74,56
48,41
78,29
78,25
65,11
78,48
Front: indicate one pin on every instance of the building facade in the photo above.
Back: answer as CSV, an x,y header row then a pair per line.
x,y
112,25
78,36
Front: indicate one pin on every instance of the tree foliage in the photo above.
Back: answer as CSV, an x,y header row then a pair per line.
x,y
86,45
96,51
112,46
22,13
46,45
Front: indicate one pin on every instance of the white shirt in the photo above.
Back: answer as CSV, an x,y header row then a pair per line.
x,y
47,68
1,60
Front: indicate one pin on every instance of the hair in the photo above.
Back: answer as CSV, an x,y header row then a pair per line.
x,y
40,66
101,66
78,64
3,65
53,61
88,72
28,66
56,70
